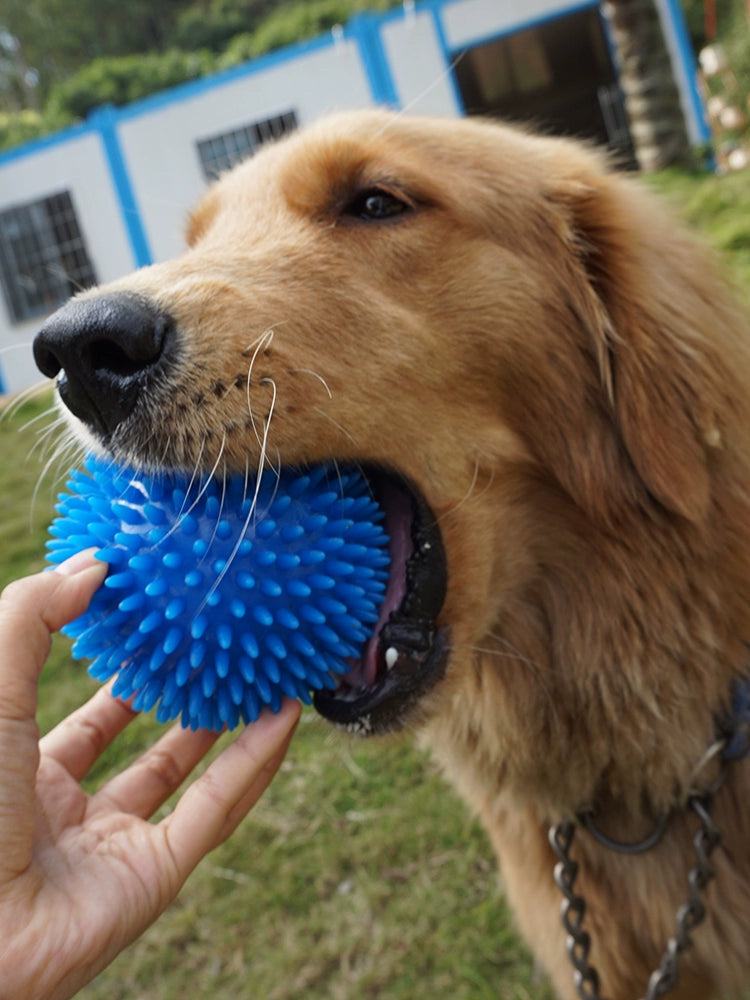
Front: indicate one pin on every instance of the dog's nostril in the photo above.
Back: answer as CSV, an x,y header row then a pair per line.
x,y
108,356
46,362
104,350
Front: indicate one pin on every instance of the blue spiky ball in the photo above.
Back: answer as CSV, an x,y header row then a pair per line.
x,y
223,594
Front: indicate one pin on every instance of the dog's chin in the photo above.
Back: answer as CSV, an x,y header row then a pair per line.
x,y
407,653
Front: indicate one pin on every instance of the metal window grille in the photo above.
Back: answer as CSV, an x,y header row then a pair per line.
x,y
221,152
43,258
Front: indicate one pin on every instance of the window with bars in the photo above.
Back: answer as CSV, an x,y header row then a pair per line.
x,y
220,152
43,258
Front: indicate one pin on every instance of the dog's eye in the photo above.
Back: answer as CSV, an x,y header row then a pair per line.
x,y
376,205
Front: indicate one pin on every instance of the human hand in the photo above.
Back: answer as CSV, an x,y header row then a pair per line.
x,y
81,876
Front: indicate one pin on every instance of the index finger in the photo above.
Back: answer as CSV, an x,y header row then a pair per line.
x,y
212,807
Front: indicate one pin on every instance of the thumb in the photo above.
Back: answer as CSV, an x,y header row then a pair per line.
x,y
31,609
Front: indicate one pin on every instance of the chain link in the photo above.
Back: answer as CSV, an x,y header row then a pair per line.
x,y
578,942
689,916
693,912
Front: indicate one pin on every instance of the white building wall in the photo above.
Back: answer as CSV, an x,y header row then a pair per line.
x,y
422,79
159,142
77,165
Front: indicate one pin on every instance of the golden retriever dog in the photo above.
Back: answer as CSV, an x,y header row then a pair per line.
x,y
549,388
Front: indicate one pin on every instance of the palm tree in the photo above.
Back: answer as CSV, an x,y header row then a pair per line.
x,y
652,100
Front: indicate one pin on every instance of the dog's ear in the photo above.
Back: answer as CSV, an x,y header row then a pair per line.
x,y
660,332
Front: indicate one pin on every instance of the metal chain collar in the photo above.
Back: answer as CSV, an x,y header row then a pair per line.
x,y
732,745
689,915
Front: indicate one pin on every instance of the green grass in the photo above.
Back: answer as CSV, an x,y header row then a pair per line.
x,y
22,528
718,207
360,873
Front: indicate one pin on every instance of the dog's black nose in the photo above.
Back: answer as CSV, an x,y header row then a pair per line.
x,y
105,351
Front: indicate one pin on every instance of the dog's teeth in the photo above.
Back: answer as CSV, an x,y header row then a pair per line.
x,y
391,655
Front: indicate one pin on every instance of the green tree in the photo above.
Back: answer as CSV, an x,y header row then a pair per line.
x,y
122,79
695,16
290,23
211,24
59,36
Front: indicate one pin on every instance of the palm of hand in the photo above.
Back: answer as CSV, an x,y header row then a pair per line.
x,y
82,875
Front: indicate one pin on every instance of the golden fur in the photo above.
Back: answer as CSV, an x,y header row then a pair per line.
x,y
556,366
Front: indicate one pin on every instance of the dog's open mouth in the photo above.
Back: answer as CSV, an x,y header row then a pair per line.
x,y
407,653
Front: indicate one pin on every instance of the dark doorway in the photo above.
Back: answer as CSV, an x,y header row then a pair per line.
x,y
558,75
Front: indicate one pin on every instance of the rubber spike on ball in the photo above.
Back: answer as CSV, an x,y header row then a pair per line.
x,y
223,595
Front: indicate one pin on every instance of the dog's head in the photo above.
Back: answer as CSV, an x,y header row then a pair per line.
x,y
509,339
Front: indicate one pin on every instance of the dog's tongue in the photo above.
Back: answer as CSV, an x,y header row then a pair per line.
x,y
399,512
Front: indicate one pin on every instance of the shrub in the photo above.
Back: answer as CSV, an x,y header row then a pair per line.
x,y
287,25
122,79
17,127
213,25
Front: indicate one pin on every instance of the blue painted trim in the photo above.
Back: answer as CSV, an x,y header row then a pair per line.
x,y
3,390
104,120
388,94
365,29
448,57
521,25
203,84
45,142
687,55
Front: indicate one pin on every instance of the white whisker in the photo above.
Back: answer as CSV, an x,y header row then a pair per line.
x,y
510,652
247,479
276,469
48,437
309,371
206,484
35,420
25,346
470,492
266,429
445,74
181,511
221,502
23,397
253,505
251,512
339,476
337,425
165,451
260,344
62,457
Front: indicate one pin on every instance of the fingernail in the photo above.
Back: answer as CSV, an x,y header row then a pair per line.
x,y
77,563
